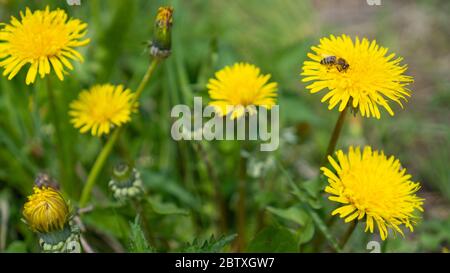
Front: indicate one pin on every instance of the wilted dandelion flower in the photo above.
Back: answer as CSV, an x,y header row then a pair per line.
x,y
101,108
373,187
357,74
46,210
43,39
239,88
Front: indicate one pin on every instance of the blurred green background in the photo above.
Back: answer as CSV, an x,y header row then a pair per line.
x,y
207,35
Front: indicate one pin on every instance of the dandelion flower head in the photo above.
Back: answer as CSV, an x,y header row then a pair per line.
x,y
102,108
43,40
373,187
241,87
370,81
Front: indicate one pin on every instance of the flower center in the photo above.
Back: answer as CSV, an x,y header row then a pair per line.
x,y
40,39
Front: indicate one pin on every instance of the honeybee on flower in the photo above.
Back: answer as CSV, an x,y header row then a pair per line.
x,y
366,77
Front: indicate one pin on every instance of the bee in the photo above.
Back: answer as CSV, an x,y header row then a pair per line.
x,y
340,63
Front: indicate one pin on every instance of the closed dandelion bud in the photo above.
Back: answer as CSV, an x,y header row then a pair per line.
x,y
49,215
126,182
160,46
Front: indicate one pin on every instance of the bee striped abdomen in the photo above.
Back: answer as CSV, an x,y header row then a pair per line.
x,y
340,64
330,60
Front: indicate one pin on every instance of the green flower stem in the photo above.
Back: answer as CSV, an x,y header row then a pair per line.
x,y
218,197
98,165
241,203
330,150
107,149
63,177
335,136
146,78
348,234
241,215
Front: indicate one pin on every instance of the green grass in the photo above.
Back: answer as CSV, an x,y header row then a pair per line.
x,y
180,209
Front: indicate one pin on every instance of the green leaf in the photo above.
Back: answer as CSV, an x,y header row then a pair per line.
x,y
159,207
294,214
313,188
273,239
315,217
158,182
212,245
138,242
107,220
324,229
306,232
16,247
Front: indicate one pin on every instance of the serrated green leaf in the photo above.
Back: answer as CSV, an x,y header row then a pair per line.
x,y
212,245
138,242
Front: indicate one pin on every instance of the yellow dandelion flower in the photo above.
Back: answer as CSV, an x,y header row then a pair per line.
x,y
101,108
357,73
372,186
239,88
46,210
41,38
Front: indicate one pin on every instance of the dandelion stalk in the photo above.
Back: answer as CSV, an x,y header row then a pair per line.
x,y
98,165
336,133
106,151
218,197
54,111
241,204
348,234
241,215
330,149
64,178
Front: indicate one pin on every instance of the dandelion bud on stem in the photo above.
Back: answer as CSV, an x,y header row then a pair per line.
x,y
49,215
160,46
